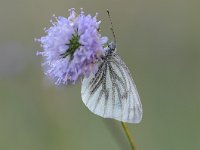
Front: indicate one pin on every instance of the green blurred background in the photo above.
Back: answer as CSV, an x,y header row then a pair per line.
x,y
158,39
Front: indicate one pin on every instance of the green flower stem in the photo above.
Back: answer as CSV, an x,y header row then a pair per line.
x,y
129,136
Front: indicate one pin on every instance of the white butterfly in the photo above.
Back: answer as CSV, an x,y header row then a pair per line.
x,y
111,92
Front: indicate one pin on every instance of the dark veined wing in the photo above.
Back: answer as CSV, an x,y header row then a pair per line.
x,y
111,92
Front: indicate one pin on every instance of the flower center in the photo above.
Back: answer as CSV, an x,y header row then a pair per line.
x,y
73,45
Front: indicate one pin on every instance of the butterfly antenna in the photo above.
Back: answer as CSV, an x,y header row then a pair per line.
x,y
111,27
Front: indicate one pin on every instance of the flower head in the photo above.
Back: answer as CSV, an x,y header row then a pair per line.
x,y
71,47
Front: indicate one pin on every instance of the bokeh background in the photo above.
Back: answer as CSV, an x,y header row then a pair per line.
x,y
158,39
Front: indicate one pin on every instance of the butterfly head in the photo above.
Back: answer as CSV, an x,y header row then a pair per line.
x,y
110,49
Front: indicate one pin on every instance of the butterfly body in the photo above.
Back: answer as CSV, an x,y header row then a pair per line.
x,y
111,92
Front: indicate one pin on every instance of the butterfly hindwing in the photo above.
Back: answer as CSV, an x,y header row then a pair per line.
x,y
111,92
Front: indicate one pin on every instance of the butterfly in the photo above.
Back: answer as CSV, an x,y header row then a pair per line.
x,y
111,92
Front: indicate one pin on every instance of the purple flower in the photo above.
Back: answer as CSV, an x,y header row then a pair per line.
x,y
72,47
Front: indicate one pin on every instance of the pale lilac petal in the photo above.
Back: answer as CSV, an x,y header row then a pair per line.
x,y
64,70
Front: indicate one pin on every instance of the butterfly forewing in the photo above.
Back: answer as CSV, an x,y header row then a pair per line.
x,y
111,92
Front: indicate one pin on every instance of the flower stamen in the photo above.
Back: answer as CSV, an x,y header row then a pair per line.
x,y
73,46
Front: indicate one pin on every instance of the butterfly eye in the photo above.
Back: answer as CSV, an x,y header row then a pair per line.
x,y
112,46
